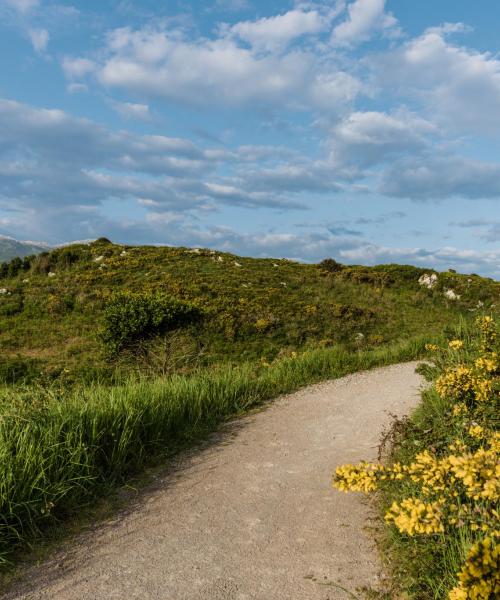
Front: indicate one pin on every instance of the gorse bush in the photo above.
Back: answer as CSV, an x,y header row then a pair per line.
x,y
130,317
330,265
450,489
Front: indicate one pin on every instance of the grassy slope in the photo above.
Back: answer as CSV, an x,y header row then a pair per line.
x,y
262,309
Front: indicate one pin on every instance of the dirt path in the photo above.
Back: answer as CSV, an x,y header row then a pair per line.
x,y
252,516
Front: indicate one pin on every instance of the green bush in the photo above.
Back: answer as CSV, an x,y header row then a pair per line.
x,y
330,265
131,317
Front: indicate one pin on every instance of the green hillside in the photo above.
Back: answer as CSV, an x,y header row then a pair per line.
x,y
52,308
10,248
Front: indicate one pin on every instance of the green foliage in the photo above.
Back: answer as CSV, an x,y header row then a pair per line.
x,y
330,265
59,450
426,567
253,308
130,317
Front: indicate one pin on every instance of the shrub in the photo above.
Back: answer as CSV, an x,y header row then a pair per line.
x,y
102,241
41,264
446,488
130,317
330,265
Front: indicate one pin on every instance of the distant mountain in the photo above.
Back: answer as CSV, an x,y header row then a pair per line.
x,y
10,248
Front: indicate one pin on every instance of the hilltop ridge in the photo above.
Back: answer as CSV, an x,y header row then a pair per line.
x,y
52,305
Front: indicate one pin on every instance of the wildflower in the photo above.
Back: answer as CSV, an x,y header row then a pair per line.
x,y
476,431
488,362
456,344
357,478
456,383
413,516
459,409
480,576
431,347
482,388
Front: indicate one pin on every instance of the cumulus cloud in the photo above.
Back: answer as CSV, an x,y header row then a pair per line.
x,y
39,39
365,19
457,85
76,68
365,139
76,88
275,33
224,71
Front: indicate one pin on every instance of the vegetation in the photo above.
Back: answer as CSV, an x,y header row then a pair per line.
x,y
112,355
56,309
58,451
131,317
441,486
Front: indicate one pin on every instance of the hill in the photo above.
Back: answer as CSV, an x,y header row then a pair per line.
x,y
53,306
10,248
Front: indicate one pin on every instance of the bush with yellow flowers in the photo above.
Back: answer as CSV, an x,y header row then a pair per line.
x,y
452,484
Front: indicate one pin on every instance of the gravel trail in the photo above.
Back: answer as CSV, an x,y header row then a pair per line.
x,y
252,516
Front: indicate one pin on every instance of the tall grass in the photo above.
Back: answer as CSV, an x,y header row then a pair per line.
x,y
59,453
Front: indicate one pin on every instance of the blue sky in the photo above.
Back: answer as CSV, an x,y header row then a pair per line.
x,y
363,130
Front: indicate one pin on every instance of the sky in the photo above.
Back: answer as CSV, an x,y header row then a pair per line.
x,y
363,130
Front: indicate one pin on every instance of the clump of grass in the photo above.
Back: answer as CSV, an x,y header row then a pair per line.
x,y
58,453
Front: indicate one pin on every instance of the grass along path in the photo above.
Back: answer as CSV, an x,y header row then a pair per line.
x,y
251,516
60,450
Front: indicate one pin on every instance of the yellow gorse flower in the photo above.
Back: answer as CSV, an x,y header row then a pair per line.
x,y
480,576
458,484
413,516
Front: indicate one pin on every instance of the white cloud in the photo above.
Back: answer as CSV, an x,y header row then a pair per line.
x,y
39,39
41,168
221,72
76,88
364,139
22,6
275,33
458,86
365,19
76,68
130,110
